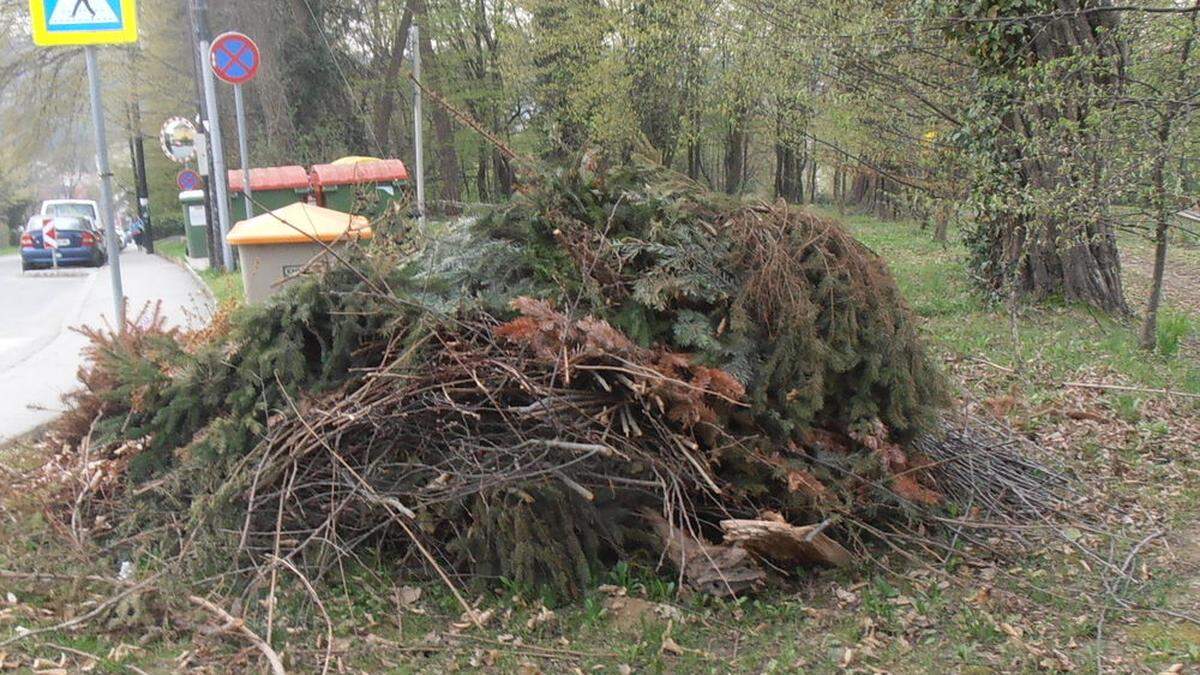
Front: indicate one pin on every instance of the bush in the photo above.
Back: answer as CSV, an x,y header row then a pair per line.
x,y
168,226
9,236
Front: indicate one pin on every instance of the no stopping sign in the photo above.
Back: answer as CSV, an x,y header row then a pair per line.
x,y
235,58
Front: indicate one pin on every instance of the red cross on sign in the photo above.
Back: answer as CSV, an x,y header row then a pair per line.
x,y
235,58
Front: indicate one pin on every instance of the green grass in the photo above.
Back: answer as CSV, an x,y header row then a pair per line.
x,y
226,286
171,248
1062,339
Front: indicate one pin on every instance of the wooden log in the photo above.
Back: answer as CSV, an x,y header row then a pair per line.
x,y
715,569
785,544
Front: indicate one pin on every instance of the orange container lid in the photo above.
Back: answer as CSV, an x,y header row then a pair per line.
x,y
299,223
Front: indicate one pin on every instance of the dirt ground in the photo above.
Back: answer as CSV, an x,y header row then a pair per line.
x,y
1181,279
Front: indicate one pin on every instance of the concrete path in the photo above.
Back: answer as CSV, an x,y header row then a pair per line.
x,y
40,354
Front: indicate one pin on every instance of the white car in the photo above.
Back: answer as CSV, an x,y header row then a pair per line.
x,y
74,208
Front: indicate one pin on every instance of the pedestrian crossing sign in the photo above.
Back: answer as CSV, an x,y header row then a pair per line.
x,y
83,22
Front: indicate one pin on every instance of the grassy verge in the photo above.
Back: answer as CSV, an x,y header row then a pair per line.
x,y
1012,615
171,248
226,286
1063,342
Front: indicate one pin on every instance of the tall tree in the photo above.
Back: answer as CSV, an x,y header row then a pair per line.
x,y
448,175
1047,76
1164,106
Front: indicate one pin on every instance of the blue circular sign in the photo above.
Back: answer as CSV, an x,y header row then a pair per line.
x,y
235,58
188,180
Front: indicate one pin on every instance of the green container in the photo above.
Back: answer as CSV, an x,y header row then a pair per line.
x,y
368,199
264,201
272,188
367,188
195,225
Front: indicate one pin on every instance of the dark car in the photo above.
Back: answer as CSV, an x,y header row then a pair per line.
x,y
80,242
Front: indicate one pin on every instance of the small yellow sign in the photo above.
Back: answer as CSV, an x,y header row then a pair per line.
x,y
83,22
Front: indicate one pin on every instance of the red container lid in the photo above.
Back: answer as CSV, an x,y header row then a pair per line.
x,y
382,171
271,178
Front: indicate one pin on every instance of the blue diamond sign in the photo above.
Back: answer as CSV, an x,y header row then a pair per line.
x,y
83,22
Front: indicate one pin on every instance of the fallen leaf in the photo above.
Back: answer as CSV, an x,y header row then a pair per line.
x,y
407,595
544,616
845,598
481,618
982,596
670,646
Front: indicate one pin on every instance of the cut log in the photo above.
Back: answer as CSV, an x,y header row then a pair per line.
x,y
785,544
715,569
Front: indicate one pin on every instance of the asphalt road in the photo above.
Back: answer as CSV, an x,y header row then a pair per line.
x,y
40,354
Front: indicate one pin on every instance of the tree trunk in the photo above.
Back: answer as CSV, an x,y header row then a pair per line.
x,y
443,128
481,174
812,172
1149,337
736,141
693,161
860,187
1047,143
503,171
789,174
941,221
386,106
1161,205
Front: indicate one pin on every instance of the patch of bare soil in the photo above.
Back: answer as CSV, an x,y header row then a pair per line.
x,y
1181,280
1187,549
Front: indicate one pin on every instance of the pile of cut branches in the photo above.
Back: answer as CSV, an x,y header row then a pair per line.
x,y
618,361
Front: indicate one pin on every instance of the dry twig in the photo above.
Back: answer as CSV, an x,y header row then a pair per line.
x,y
234,623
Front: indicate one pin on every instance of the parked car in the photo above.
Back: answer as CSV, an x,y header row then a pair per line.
x,y
80,242
84,208
123,238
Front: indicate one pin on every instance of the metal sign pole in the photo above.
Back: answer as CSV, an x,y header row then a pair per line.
x,y
220,178
106,195
418,120
243,148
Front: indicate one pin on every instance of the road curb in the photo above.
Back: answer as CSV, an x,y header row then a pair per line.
x,y
204,287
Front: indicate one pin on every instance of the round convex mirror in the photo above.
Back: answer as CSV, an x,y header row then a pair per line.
x,y
179,139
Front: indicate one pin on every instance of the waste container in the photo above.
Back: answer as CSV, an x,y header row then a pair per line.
x,y
277,247
195,224
271,188
366,187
